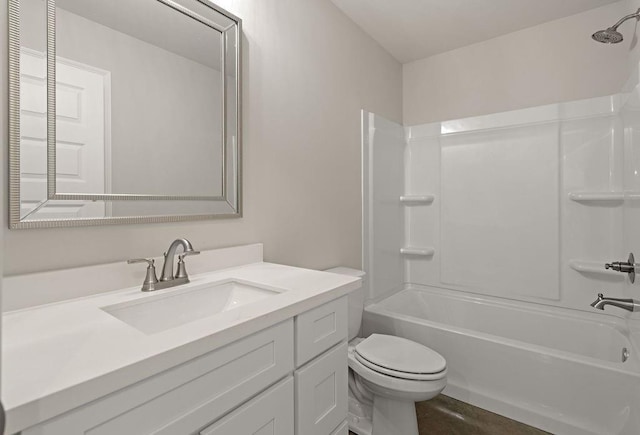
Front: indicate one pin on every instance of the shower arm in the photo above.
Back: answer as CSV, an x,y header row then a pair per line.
x,y
635,15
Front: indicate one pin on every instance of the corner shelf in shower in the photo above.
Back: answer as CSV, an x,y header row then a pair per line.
x,y
593,267
417,199
421,252
585,197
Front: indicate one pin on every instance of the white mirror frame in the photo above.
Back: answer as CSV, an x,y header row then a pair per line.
x,y
16,221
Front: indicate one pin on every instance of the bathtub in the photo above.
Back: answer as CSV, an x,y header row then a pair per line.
x,y
556,369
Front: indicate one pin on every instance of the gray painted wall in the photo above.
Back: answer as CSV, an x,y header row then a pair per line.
x,y
550,63
308,70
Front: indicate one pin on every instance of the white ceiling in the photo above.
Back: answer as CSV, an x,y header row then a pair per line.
x,y
415,29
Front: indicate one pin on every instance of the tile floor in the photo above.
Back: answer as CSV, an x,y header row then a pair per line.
x,y
446,416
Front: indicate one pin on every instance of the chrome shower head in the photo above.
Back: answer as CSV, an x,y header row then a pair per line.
x,y
611,34
608,36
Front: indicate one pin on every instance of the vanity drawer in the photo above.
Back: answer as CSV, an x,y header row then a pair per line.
x,y
188,397
321,393
319,329
269,413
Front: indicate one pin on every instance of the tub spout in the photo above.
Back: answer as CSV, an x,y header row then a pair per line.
x,y
625,304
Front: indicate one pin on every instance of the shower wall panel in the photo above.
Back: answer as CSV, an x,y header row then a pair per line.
x,y
592,156
509,218
383,216
499,211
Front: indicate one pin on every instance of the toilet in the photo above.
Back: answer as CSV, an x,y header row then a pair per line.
x,y
387,375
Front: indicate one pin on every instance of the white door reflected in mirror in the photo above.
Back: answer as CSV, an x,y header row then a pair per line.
x,y
82,151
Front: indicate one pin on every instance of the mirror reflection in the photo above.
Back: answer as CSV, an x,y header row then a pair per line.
x,y
139,109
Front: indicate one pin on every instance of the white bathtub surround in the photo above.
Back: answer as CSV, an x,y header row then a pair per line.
x,y
513,212
421,252
60,356
512,207
527,208
493,208
417,199
383,214
551,368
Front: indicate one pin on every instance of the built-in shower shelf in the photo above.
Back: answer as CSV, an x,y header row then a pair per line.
x,y
422,252
593,267
417,199
603,196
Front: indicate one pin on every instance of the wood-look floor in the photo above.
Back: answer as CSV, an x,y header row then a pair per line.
x,y
446,416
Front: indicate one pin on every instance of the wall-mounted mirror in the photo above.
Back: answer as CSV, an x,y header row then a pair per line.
x,y
123,111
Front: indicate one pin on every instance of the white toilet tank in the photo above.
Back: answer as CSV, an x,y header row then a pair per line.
x,y
356,299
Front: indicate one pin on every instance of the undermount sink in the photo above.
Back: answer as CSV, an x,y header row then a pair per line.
x,y
177,307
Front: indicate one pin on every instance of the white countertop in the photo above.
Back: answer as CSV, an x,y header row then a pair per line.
x,y
59,356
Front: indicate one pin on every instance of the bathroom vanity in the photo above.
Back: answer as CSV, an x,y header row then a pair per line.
x,y
255,348
245,346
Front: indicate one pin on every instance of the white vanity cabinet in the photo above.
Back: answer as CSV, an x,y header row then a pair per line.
x,y
272,412
290,378
188,397
322,372
321,393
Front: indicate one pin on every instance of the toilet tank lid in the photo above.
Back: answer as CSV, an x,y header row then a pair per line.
x,y
347,271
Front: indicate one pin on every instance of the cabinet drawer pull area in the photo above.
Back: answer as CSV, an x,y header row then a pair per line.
x,y
321,393
188,397
319,329
269,413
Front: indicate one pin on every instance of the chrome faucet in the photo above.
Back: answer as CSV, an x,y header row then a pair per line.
x,y
625,304
169,258
167,279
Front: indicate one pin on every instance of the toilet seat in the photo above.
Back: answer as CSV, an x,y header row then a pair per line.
x,y
400,375
379,383
400,358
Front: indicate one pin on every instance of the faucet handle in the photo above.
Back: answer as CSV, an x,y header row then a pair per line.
x,y
182,267
150,261
151,279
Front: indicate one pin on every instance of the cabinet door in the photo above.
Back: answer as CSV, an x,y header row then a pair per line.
x,y
321,393
271,413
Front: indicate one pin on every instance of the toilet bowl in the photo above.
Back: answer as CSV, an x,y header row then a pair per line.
x,y
387,375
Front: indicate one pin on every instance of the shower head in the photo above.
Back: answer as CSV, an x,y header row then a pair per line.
x,y
611,34
608,36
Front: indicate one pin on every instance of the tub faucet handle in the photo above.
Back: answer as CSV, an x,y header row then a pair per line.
x,y
628,267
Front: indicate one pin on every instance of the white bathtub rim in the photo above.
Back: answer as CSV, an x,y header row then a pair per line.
x,y
608,317
570,356
618,322
630,367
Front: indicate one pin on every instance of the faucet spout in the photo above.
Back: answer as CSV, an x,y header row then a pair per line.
x,y
625,304
169,257
598,303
